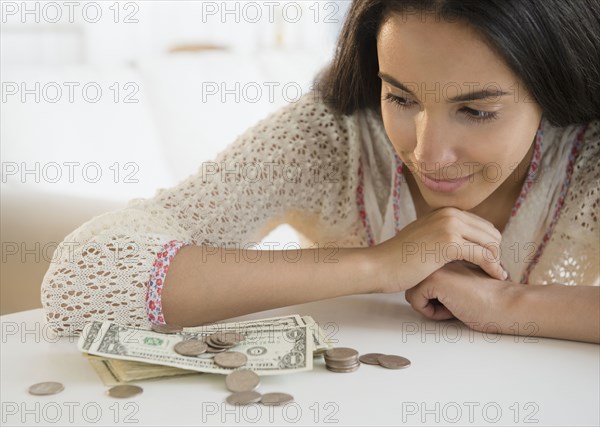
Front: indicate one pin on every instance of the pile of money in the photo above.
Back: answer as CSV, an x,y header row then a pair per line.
x,y
342,359
345,359
242,350
279,345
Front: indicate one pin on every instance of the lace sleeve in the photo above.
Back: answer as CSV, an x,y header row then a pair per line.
x,y
296,166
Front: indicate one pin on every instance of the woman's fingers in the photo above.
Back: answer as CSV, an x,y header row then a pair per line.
x,y
430,308
484,258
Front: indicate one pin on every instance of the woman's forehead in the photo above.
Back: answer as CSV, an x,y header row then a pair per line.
x,y
412,50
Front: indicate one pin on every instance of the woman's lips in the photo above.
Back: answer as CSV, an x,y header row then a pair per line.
x,y
443,186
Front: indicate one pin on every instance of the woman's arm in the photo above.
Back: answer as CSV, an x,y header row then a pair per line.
x,y
556,311
209,284
276,172
487,304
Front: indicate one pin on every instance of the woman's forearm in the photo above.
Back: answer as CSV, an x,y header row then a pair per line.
x,y
206,284
554,311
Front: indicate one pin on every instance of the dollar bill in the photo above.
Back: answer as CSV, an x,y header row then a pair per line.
x,y
320,343
115,371
271,348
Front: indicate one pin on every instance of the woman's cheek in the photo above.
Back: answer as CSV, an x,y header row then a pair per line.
x,y
398,129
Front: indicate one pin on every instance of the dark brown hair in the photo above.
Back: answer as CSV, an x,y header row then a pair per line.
x,y
552,46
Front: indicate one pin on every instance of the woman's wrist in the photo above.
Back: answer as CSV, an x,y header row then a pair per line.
x,y
361,268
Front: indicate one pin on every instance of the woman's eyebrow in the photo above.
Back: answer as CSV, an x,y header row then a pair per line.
x,y
471,96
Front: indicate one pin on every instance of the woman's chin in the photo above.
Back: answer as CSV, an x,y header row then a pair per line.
x,y
464,201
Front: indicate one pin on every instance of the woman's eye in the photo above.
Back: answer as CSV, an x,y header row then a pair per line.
x,y
397,101
475,116
478,116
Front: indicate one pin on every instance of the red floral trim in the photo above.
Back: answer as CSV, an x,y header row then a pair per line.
x,y
531,177
360,201
396,196
157,278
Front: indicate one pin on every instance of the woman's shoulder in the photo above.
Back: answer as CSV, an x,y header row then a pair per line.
x,y
583,197
309,121
577,143
309,130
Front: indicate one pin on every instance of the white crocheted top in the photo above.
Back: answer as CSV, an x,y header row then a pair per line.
x,y
332,178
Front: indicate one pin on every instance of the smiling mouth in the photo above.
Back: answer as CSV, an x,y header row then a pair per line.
x,y
460,179
443,185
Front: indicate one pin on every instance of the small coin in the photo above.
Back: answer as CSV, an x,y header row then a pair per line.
x,y
274,399
45,388
124,391
243,398
192,347
393,362
370,358
166,329
230,359
242,381
341,354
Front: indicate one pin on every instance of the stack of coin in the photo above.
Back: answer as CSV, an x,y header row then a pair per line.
x,y
342,359
221,341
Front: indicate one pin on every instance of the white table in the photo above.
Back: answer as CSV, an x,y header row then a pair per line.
x,y
457,377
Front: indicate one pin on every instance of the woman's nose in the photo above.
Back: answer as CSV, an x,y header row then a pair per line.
x,y
434,147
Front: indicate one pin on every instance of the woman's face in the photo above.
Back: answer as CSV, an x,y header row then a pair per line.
x,y
423,65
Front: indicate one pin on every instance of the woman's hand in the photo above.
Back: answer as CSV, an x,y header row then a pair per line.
x,y
429,243
459,290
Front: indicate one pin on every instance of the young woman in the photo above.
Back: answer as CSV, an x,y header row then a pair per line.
x,y
451,150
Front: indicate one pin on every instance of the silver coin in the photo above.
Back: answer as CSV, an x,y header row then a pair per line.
x,y
273,399
191,347
46,388
230,359
124,391
370,358
243,398
393,362
340,354
245,380
166,329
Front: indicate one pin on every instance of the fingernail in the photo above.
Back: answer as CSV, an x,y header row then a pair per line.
x,y
504,275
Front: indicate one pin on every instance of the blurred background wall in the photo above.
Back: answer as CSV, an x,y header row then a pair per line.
x,y
107,101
